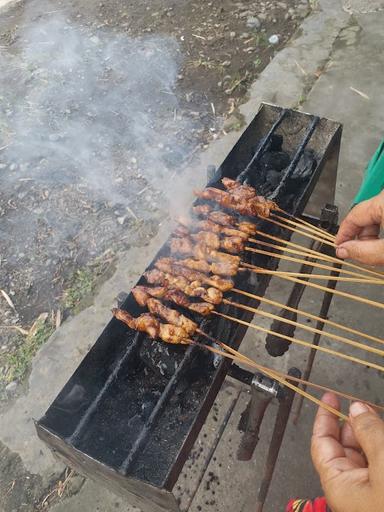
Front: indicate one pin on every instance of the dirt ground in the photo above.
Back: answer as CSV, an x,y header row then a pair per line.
x,y
102,104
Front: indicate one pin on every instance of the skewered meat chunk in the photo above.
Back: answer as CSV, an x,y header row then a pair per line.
x,y
247,227
200,265
233,244
193,289
181,231
142,294
223,268
241,198
171,316
149,324
202,209
181,245
168,265
222,218
144,323
202,251
208,225
207,237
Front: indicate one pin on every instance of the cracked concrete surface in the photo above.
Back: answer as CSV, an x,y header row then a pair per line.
x,y
348,53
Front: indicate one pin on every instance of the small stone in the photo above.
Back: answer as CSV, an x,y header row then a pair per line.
x,y
232,35
226,63
11,387
121,220
244,35
274,39
12,167
253,22
262,16
133,160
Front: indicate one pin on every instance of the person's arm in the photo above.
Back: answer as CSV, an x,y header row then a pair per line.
x,y
358,237
350,458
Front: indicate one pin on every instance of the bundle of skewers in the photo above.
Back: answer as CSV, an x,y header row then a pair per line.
x,y
206,253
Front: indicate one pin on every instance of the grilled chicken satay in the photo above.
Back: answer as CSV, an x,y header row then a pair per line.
x,y
155,329
194,289
168,265
143,293
202,209
171,316
217,218
222,269
239,200
239,190
208,238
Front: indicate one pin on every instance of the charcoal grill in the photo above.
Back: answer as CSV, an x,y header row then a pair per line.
x,y
129,415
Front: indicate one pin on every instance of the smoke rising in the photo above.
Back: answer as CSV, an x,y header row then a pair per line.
x,y
91,137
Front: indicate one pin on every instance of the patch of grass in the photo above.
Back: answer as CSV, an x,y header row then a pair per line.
x,y
20,360
84,282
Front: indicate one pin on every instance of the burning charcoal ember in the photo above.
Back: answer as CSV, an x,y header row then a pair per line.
x,y
305,166
274,161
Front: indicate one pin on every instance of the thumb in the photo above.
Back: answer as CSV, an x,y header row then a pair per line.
x,y
369,432
370,252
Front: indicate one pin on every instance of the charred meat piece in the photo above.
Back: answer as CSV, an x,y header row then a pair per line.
x,y
181,230
149,324
171,316
168,265
202,251
193,289
208,238
222,218
144,323
200,265
233,244
224,268
173,334
142,293
181,245
247,227
202,209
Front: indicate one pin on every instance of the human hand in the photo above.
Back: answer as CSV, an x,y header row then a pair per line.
x,y
350,459
358,236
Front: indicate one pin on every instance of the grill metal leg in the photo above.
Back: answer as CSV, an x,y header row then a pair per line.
x,y
285,406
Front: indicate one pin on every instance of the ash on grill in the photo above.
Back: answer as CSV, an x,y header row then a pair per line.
x,y
131,412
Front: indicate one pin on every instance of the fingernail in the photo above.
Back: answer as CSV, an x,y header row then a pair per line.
x,y
357,408
342,253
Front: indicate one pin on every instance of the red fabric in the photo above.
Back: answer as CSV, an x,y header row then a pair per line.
x,y
317,505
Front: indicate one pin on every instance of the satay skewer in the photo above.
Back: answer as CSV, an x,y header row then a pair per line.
x,y
299,232
302,342
324,277
306,226
246,360
301,312
275,376
319,255
283,249
305,327
309,263
301,222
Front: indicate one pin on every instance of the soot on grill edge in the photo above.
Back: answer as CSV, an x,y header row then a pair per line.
x,y
130,414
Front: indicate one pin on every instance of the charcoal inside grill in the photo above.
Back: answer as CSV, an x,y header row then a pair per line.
x,y
305,166
160,357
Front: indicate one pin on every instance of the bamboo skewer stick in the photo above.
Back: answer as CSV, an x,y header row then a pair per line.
x,y
318,254
302,342
347,295
309,328
307,262
275,376
298,380
367,279
299,232
326,277
280,305
307,227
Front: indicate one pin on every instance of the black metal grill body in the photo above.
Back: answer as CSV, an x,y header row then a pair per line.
x,y
131,412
